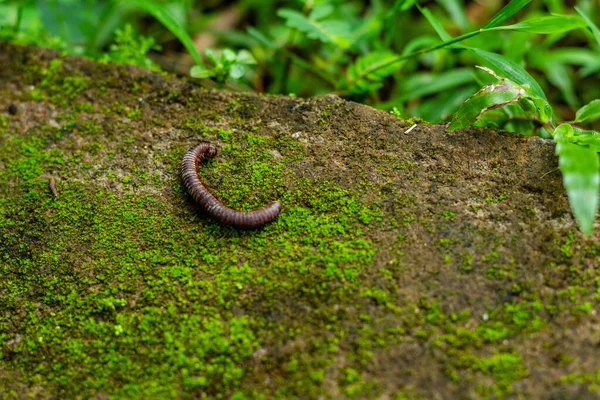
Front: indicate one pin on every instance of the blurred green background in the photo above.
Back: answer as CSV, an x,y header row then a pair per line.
x,y
308,48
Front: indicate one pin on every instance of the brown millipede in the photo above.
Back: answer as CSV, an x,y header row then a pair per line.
x,y
52,185
212,206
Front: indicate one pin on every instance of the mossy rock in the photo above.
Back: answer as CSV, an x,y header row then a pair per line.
x,y
404,264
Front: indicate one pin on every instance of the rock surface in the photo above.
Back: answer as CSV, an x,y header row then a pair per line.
x,y
405,264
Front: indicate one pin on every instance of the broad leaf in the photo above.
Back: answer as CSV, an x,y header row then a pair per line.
x,y
580,169
489,97
589,112
511,70
245,57
198,71
587,138
513,117
236,71
511,103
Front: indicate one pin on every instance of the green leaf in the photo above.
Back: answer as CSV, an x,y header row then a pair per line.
x,y
560,76
371,67
579,166
589,112
419,42
329,31
320,11
210,54
489,97
457,12
442,106
427,83
542,106
563,133
236,71
567,55
198,71
511,70
161,14
545,25
506,12
245,57
513,117
401,5
228,55
590,24
436,24
587,138
261,38
589,69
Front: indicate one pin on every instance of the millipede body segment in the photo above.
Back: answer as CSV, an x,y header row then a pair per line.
x,y
212,206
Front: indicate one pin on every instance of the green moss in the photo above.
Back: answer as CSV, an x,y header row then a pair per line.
x,y
504,368
495,200
565,248
325,115
133,113
57,86
403,166
466,263
156,325
592,380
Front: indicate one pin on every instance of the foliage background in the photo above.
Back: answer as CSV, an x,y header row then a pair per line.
x,y
310,48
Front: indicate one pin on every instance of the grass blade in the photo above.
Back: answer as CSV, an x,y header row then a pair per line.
x,y
590,24
161,14
506,12
435,23
262,39
546,25
511,70
456,10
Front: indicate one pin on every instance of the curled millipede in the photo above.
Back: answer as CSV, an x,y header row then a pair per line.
x,y
212,206
52,185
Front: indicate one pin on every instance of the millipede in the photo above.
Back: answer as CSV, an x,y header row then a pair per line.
x,y
211,205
